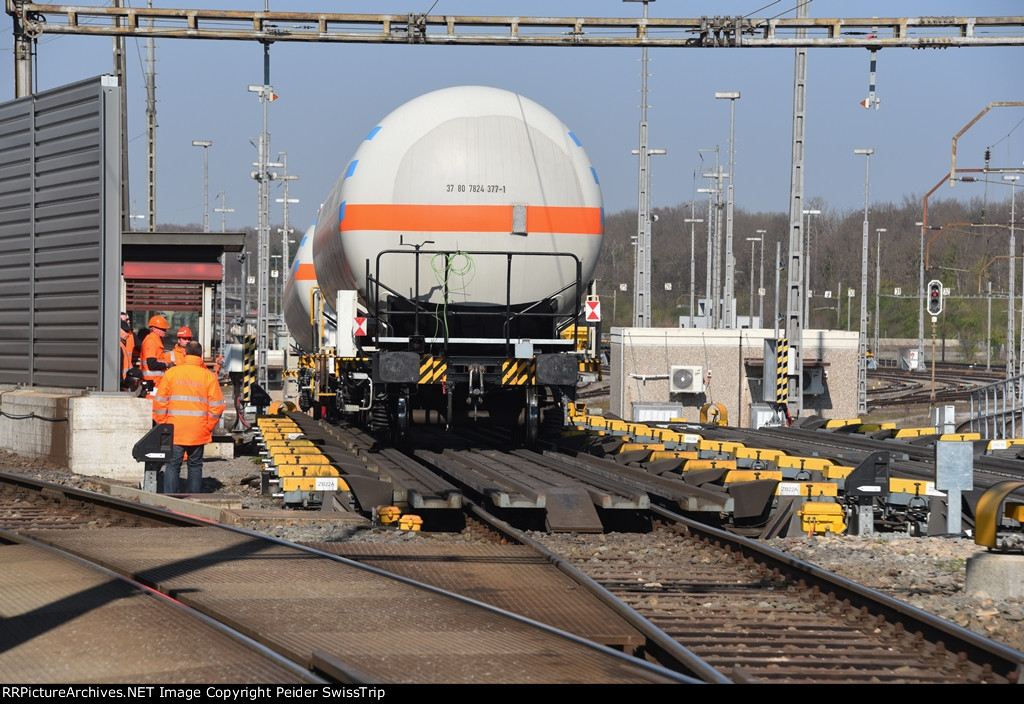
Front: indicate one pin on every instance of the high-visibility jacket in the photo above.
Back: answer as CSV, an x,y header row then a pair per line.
x,y
153,348
126,360
190,399
178,354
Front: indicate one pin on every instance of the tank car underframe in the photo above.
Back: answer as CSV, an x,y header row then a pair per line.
x,y
383,389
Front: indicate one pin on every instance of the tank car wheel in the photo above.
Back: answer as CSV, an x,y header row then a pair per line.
x,y
531,417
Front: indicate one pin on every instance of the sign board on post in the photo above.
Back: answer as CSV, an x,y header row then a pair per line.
x,y
954,473
593,314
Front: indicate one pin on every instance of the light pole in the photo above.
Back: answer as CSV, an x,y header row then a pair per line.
x,y
862,345
878,265
807,271
760,289
778,270
710,291
223,210
133,217
920,304
205,144
263,177
286,232
730,301
276,274
693,262
1012,178
642,274
752,240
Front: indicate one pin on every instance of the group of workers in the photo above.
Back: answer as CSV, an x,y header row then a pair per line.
x,y
185,394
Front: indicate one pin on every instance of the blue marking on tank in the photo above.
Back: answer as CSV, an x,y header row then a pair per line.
x,y
573,138
373,133
593,172
341,211
351,168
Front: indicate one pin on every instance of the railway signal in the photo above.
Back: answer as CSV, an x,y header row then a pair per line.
x,y
934,297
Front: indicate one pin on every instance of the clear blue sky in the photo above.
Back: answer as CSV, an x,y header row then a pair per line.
x,y
331,95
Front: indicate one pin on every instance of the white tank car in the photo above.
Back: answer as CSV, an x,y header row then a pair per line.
x,y
301,280
464,171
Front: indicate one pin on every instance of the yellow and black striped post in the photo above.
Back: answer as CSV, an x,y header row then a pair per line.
x,y
248,367
782,371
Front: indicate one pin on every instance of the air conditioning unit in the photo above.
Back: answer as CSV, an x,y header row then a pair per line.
x,y
686,380
814,381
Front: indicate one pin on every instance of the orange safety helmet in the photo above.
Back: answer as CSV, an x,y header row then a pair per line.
x,y
158,321
185,332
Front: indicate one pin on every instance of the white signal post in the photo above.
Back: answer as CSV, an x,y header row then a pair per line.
x,y
934,309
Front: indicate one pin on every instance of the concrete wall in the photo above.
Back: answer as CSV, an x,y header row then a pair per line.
x,y
90,433
642,357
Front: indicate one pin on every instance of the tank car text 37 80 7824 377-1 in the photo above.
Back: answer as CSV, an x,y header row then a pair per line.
x,y
448,267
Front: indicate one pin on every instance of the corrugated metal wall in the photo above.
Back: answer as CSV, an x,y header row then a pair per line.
x,y
60,237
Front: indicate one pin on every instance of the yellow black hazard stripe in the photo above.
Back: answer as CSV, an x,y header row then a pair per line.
x,y
518,372
248,366
432,369
782,371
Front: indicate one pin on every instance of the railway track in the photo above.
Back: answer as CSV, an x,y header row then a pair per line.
x,y
759,616
730,609
748,613
893,388
329,619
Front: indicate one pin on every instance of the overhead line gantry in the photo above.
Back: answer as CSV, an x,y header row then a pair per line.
x,y
35,19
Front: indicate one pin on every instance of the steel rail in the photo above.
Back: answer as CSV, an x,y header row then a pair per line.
x,y
300,671
955,638
682,658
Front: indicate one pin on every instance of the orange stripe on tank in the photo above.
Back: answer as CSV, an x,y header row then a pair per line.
x,y
577,221
305,272
469,218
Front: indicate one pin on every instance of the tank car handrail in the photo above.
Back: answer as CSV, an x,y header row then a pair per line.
x,y
578,285
375,285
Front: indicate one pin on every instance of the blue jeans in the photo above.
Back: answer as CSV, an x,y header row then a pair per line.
x,y
172,470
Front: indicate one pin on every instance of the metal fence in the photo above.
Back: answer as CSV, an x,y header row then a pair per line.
x,y
996,409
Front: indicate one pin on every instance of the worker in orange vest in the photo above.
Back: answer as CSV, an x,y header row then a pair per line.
x,y
131,376
153,357
126,353
129,340
190,399
178,351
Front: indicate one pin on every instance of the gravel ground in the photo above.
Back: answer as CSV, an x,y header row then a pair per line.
x,y
928,573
